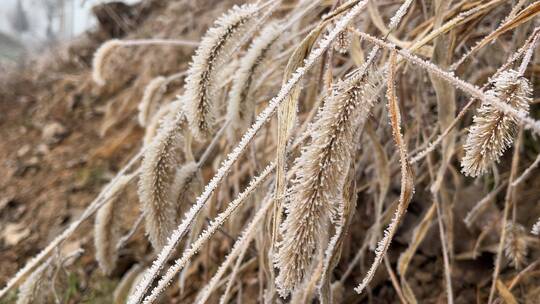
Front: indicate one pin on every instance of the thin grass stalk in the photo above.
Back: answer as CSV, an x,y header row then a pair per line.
x,y
508,201
106,229
444,248
232,277
407,182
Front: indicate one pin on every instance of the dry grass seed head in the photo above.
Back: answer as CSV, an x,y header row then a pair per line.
x,y
157,190
188,180
200,96
320,174
151,95
106,228
493,131
100,60
212,228
163,114
241,104
343,42
515,246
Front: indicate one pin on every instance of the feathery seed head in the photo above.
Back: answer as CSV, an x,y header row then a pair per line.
x,y
536,228
187,183
343,42
164,113
515,246
200,103
100,58
106,228
152,92
241,107
493,131
156,184
320,175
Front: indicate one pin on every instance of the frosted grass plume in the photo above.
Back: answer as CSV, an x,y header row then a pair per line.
x,y
320,174
157,191
201,85
241,106
494,131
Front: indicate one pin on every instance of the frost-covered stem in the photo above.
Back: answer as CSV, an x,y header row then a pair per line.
x,y
529,53
232,277
527,121
527,172
484,40
215,140
400,13
473,214
246,237
226,166
207,234
432,145
99,201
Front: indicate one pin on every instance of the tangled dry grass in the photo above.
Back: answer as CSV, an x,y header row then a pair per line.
x,y
329,151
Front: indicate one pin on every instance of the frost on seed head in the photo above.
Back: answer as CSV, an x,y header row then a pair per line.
x,y
100,60
515,246
201,83
151,95
493,131
106,228
157,192
321,169
241,106
164,113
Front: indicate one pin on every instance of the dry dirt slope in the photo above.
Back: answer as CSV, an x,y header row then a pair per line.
x,y
62,137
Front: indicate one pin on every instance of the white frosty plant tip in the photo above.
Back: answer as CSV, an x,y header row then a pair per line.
x,y
158,192
201,84
241,106
320,175
100,60
151,95
493,131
